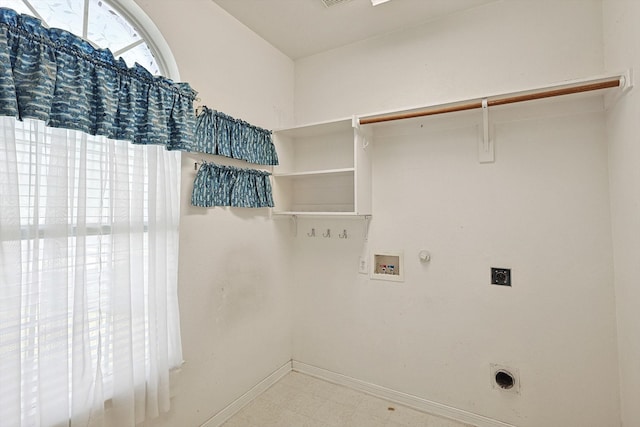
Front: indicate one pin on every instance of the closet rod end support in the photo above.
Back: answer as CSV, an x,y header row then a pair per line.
x,y
355,122
626,80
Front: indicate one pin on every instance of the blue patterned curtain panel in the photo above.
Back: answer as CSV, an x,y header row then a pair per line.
x,y
55,76
218,185
217,133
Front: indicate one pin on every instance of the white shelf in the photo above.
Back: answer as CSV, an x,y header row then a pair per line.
x,y
316,129
586,87
313,173
325,170
310,213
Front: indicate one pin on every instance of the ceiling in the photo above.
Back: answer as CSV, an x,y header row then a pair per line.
x,y
301,28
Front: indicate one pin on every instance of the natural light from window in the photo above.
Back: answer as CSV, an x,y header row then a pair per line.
x,y
94,20
95,230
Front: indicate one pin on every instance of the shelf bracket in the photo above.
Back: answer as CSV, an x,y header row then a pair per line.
x,y
367,220
294,221
355,122
485,144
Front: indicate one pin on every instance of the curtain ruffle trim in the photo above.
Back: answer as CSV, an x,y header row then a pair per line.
x,y
220,185
52,75
218,133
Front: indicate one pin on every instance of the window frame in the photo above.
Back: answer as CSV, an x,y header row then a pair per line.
x,y
132,12
152,37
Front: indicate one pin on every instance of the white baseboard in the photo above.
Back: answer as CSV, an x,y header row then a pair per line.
x,y
399,397
232,409
372,389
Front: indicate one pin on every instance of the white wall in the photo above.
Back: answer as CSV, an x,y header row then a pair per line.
x,y
234,296
541,209
435,335
504,46
622,51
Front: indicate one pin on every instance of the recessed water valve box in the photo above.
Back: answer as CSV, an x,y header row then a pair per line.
x,y
387,265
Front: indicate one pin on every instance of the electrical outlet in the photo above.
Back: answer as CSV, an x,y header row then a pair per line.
x,y
363,268
501,276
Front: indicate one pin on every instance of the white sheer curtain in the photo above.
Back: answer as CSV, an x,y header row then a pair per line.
x,y
88,278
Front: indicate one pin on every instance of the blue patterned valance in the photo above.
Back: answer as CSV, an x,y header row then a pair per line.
x,y
55,76
217,133
218,185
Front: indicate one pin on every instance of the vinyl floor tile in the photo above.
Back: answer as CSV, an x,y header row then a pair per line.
x,y
299,400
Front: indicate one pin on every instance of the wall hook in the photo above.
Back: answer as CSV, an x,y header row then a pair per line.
x,y
199,164
313,233
343,235
327,234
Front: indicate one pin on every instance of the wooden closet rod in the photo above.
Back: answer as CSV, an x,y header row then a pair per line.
x,y
500,100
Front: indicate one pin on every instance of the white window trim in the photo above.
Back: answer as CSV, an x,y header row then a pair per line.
x,y
130,10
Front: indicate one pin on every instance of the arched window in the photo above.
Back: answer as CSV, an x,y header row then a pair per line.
x,y
104,24
88,255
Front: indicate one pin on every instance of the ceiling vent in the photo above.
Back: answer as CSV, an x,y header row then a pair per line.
x,y
329,3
